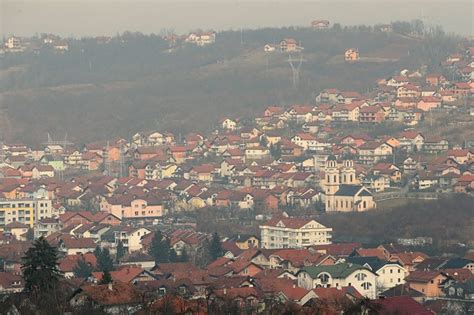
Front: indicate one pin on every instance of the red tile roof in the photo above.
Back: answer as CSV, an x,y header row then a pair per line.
x,y
403,305
118,293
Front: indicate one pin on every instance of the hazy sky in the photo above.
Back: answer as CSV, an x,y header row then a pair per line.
x,y
106,17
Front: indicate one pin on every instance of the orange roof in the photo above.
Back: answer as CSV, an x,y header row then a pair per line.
x,y
124,275
372,252
113,294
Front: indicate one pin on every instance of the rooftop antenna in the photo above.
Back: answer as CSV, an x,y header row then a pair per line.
x,y
295,68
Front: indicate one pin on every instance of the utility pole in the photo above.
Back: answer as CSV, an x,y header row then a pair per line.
x,y
2,153
123,149
295,68
107,160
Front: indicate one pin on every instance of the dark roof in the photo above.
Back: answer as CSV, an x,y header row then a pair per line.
x,y
401,305
402,290
352,190
341,270
455,263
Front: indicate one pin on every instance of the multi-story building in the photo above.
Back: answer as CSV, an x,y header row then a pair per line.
x,y
27,211
130,207
294,233
130,237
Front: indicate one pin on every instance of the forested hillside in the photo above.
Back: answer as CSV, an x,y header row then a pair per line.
x,y
97,91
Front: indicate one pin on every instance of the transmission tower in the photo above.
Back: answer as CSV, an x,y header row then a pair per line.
x,y
123,151
63,143
295,68
108,168
4,122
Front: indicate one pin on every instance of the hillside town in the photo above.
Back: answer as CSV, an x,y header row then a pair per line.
x,y
119,211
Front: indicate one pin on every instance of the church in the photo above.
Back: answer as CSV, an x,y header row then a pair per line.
x,y
342,191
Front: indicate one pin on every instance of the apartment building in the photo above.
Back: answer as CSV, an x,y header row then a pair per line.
x,y
27,211
294,233
130,237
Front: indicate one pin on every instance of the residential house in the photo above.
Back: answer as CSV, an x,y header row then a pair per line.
x,y
289,45
131,238
320,24
337,276
351,54
430,283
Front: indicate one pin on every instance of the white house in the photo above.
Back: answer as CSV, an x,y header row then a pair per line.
x,y
338,276
131,238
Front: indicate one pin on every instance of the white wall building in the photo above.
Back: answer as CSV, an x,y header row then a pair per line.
x,y
294,233
338,276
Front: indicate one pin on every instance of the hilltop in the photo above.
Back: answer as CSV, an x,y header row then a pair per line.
x,y
136,82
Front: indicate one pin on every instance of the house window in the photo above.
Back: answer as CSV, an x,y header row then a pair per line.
x,y
324,278
361,276
366,285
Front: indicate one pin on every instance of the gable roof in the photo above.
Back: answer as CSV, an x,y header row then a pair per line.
x,y
341,270
402,305
118,293
353,190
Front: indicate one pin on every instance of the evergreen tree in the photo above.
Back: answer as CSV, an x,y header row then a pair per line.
x,y
106,277
104,260
184,256
82,269
120,251
203,254
30,235
40,268
172,256
275,151
160,248
215,248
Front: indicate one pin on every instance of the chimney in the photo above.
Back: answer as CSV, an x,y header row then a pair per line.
x,y
225,291
110,286
294,286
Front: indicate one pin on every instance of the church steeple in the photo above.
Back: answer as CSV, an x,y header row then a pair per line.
x,y
348,174
331,176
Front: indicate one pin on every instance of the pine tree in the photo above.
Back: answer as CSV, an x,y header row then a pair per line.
x,y
203,254
104,260
159,248
40,268
172,256
106,277
30,235
82,269
215,248
184,256
120,251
